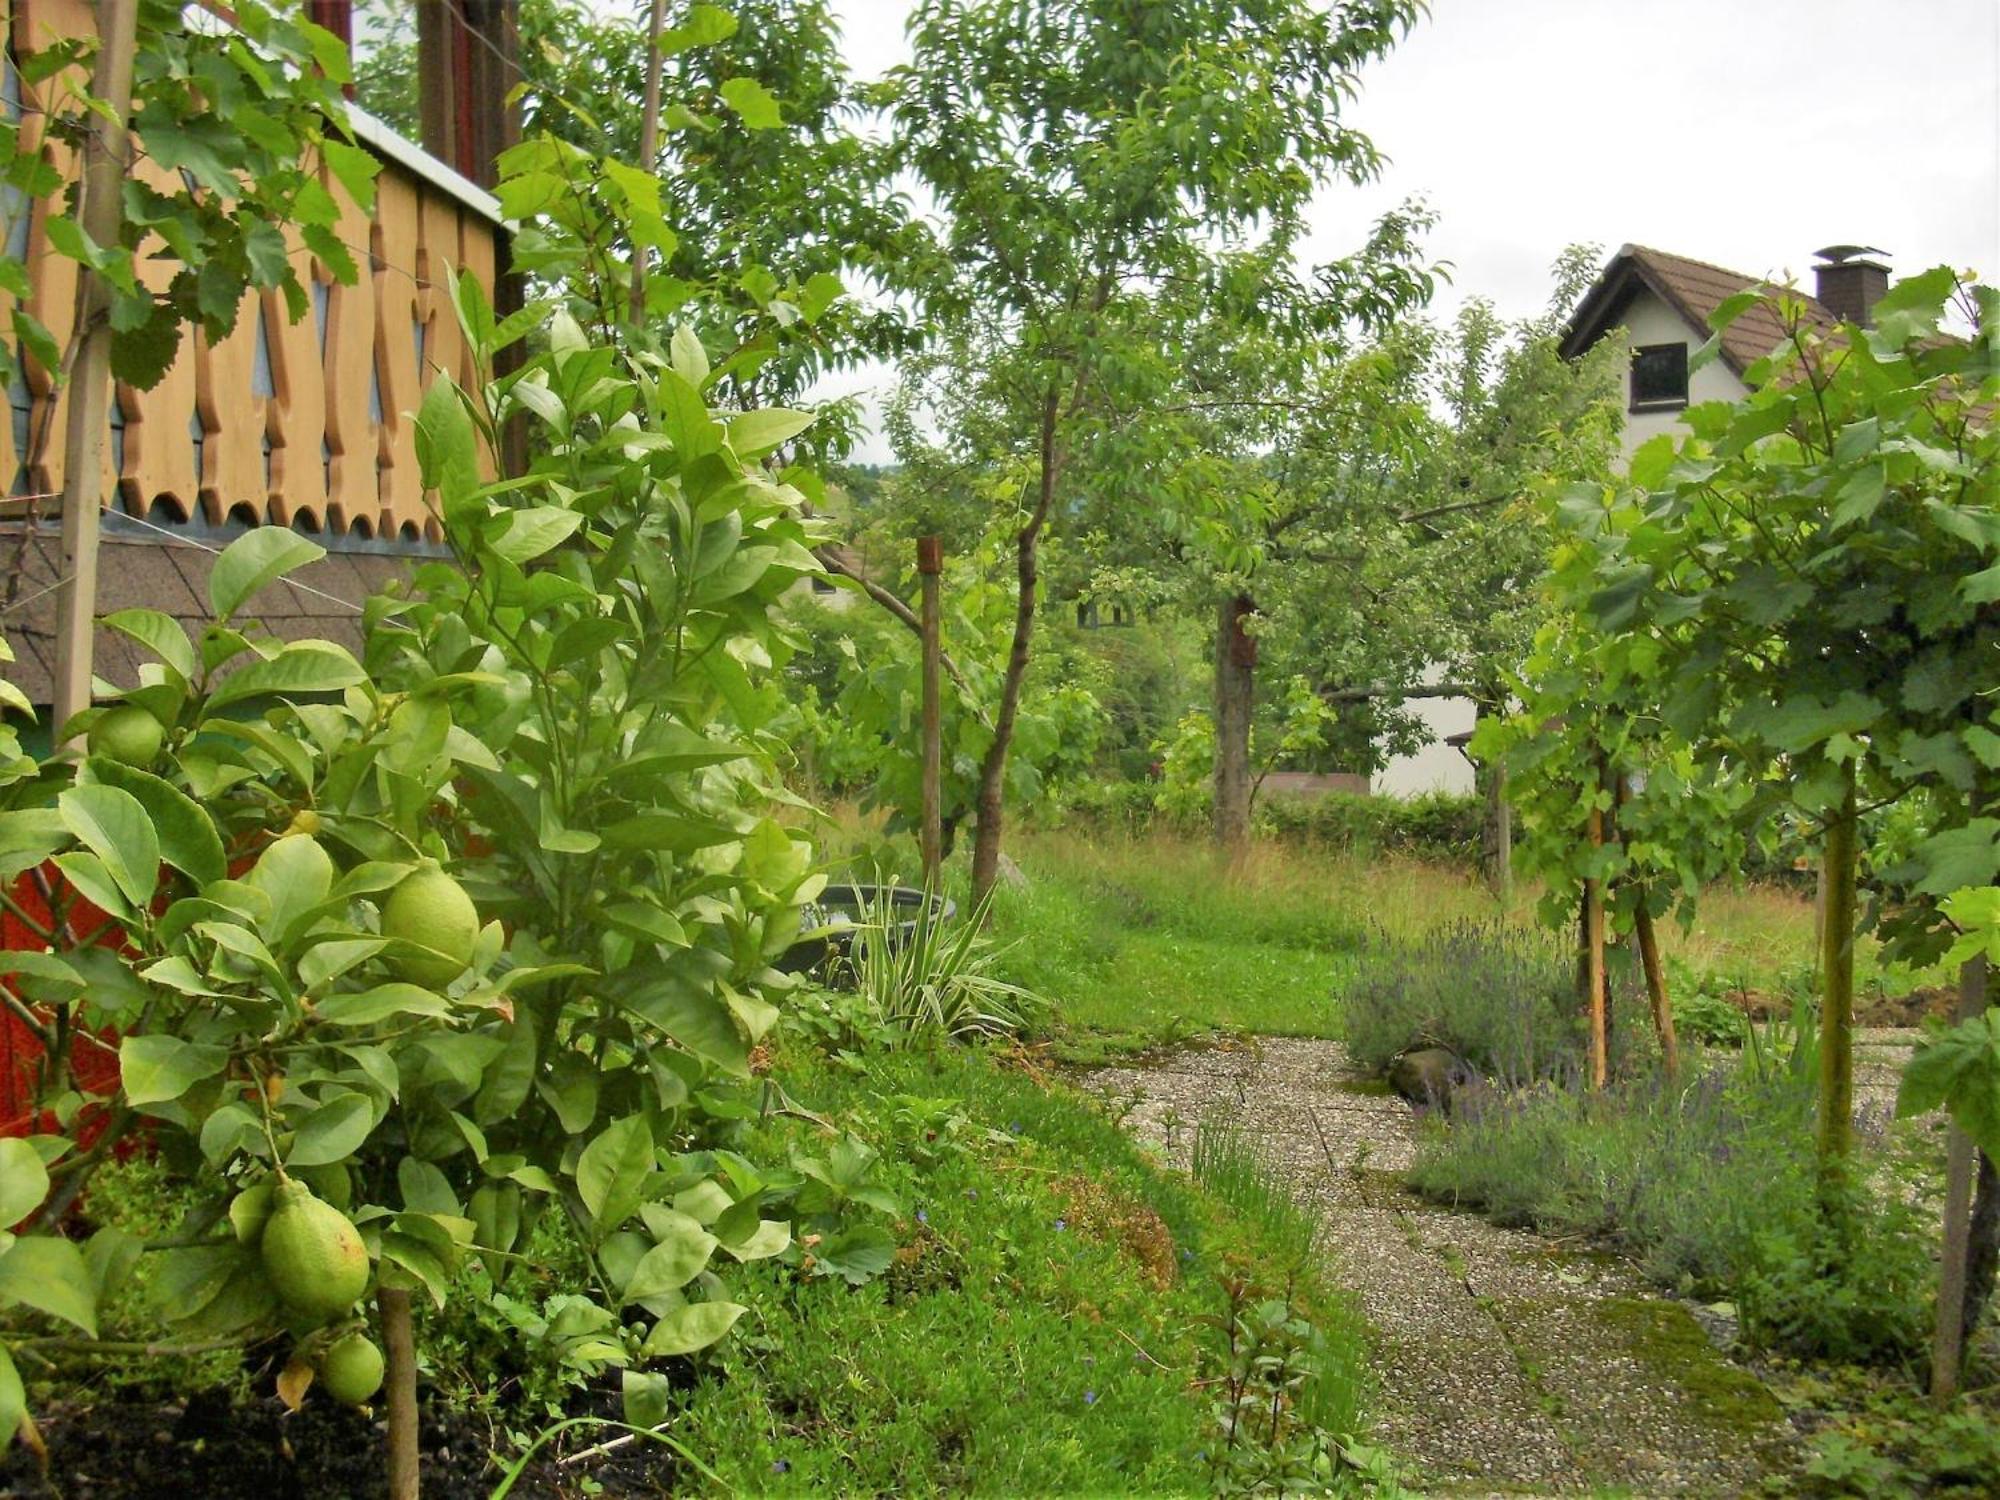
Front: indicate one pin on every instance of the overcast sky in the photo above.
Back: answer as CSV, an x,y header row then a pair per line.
x,y
1744,132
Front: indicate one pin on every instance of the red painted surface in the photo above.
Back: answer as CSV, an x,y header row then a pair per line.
x,y
93,1059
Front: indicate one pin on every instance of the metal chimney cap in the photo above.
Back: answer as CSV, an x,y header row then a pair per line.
x,y
1841,254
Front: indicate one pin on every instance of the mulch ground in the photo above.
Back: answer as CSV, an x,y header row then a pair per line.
x,y
213,1447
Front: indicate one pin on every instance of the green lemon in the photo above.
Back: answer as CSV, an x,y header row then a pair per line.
x,y
431,909
126,734
312,1254
351,1370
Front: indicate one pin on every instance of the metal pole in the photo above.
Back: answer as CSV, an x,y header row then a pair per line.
x,y
930,563
105,153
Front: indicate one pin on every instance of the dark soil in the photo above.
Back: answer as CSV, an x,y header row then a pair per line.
x,y
1870,1009
212,1447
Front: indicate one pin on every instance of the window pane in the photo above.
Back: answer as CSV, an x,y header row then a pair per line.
x,y
1660,374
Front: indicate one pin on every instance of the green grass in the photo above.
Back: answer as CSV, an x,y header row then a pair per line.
x,y
1140,939
1042,1329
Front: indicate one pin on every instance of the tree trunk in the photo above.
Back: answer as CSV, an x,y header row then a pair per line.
x,y
399,1353
1982,1247
1961,1166
1235,700
1656,987
991,798
1496,829
1836,961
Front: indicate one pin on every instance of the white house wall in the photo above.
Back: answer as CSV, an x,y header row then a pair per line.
x,y
1649,320
1437,767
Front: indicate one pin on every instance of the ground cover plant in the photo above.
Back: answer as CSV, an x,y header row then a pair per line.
x,y
1030,1228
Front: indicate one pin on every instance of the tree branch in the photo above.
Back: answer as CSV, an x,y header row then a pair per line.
x,y
834,563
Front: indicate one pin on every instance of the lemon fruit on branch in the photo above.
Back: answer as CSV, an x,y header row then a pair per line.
x,y
430,910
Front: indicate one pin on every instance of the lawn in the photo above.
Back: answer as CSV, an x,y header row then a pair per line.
x,y
1150,937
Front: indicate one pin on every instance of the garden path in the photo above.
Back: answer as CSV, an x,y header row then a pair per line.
x,y
1505,1362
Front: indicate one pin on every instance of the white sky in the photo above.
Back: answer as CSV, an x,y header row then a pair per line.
x,y
1743,132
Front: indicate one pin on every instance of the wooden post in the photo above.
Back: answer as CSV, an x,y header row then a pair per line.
x,y
1593,958
1656,987
466,75
1836,962
1961,1161
107,152
930,564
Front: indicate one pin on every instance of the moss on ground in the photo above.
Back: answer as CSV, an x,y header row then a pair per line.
x,y
1665,1337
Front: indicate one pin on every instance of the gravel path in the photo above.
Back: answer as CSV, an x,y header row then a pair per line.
x,y
1505,1363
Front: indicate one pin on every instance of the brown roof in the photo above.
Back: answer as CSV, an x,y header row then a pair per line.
x,y
322,600
1694,289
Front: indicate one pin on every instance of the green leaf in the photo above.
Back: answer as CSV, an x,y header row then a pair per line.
x,y
370,1006
1958,857
159,633
679,1255
856,1255
24,1181
49,1275
758,432
527,533
694,1327
611,1170
303,667
448,452
1961,1071
254,560
646,1398
754,104
13,1398
188,840
269,256
157,1069
113,825
333,1132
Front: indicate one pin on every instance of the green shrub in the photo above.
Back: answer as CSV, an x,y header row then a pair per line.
x,y
1500,997
1711,1184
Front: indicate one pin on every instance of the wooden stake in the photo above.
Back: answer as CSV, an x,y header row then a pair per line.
x,y
930,564
1960,1163
1836,963
1593,961
106,153
1656,987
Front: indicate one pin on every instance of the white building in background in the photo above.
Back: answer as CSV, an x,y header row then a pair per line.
x,y
1660,304
1438,766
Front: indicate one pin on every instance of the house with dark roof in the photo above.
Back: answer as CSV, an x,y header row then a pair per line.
x,y
1661,304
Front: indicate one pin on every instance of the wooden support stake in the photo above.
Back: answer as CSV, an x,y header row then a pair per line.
x,y
1836,966
1961,1162
930,564
1593,960
106,161
1656,987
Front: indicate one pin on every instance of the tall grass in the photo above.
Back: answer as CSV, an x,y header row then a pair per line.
x,y
1224,1163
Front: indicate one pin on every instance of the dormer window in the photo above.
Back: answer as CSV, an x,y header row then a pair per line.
x,y
1659,377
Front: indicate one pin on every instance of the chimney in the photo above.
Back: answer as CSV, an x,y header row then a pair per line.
x,y
1849,283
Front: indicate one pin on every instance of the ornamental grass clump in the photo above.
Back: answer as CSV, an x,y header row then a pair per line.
x,y
934,976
